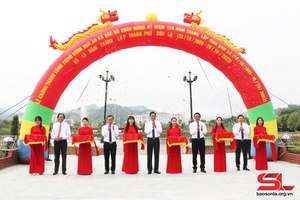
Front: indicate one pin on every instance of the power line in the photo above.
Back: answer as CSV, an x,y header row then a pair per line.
x,y
15,105
279,98
249,78
83,90
36,92
15,112
210,85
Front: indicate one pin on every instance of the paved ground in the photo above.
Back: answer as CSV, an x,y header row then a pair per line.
x,y
17,183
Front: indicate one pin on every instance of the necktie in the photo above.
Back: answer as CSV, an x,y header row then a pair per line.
x,y
59,130
110,139
153,134
198,132
242,133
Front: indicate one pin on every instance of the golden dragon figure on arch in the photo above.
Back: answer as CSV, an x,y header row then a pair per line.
x,y
106,19
195,20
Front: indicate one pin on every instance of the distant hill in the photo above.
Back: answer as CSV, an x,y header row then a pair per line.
x,y
95,113
138,108
8,115
92,111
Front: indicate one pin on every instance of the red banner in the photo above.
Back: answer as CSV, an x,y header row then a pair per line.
x,y
82,139
266,138
132,138
35,139
263,137
224,136
31,139
150,33
177,141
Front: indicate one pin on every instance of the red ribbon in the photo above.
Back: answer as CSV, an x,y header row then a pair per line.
x,y
224,136
132,138
36,139
177,141
265,137
82,139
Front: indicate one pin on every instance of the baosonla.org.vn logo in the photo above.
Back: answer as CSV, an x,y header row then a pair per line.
x,y
272,182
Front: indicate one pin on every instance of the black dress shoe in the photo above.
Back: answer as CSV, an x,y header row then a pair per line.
x,y
203,171
64,173
157,172
245,168
106,172
54,173
238,169
149,172
194,170
112,172
48,159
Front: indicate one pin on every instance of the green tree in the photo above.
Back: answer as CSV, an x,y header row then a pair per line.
x,y
141,124
294,120
99,126
14,127
6,122
211,123
2,125
76,126
282,122
164,126
122,124
183,125
290,109
71,125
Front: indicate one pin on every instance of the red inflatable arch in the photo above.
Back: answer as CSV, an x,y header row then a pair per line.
x,y
147,33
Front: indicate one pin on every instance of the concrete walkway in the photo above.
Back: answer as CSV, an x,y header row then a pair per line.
x,y
17,183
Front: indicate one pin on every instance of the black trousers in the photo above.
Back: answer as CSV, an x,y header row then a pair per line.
x,y
198,145
49,136
110,149
60,147
241,145
153,145
249,148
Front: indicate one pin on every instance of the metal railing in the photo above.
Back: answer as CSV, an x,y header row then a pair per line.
x,y
8,142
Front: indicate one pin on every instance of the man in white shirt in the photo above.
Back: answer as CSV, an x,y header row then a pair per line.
x,y
153,130
110,132
197,131
241,132
60,133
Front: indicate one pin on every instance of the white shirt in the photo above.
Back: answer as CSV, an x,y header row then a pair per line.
x,y
237,133
114,133
194,130
148,129
65,132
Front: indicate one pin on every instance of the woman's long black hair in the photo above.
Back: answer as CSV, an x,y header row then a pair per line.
x,y
261,120
39,118
134,124
215,130
85,118
170,125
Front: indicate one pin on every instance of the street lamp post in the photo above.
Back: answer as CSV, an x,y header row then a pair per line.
x,y
106,79
190,81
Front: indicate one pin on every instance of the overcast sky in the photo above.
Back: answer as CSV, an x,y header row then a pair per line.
x,y
151,76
